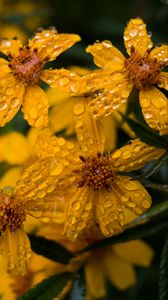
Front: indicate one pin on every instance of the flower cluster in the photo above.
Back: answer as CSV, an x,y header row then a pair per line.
x,y
81,187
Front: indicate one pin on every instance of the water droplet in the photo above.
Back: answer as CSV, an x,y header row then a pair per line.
x,y
79,108
6,43
125,197
57,170
76,205
133,32
63,81
3,105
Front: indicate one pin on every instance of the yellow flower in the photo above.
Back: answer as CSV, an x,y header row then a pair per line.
x,y
141,70
20,75
88,187
115,263
9,31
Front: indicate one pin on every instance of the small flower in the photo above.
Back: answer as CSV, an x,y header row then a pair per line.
x,y
88,187
22,72
141,70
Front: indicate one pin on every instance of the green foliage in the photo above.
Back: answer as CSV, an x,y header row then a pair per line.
x,y
163,280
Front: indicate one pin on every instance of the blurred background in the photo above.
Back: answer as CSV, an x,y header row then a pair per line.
x,y
92,20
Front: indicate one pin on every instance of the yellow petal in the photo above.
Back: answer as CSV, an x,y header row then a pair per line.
x,y
161,54
12,31
35,107
11,97
79,209
124,203
120,272
12,46
90,137
135,34
65,80
15,250
5,70
55,96
95,278
50,43
111,96
134,155
34,133
14,147
108,125
121,123
154,106
136,252
6,284
61,116
106,56
163,80
10,177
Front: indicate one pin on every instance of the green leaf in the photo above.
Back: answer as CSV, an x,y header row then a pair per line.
x,y
163,278
50,249
129,234
146,134
49,288
155,211
155,186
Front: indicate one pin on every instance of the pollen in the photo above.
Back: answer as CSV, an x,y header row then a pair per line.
x,y
27,66
96,172
12,215
142,70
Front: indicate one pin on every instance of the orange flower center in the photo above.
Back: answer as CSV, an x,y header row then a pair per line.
x,y
142,70
96,172
11,214
27,66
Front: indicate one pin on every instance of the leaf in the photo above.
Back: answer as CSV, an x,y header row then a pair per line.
x,y
146,134
129,234
50,249
154,211
163,277
49,288
155,186
154,168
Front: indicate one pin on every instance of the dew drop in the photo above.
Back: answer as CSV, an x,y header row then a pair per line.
x,y
3,105
76,205
79,108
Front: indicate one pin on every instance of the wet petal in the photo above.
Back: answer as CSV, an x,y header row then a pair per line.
x,y
14,147
161,54
50,43
10,46
120,272
108,124
90,137
35,107
106,56
10,177
15,250
134,156
108,99
154,106
67,81
5,70
11,96
55,96
95,277
79,210
163,80
135,34
124,203
136,252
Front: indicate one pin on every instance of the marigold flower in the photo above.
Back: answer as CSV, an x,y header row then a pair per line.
x,y
87,186
22,72
141,70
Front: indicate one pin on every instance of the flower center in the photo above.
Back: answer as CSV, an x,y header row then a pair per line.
x,y
11,214
96,172
27,66
142,70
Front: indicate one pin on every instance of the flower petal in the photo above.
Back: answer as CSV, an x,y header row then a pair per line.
x,y
95,277
10,46
135,34
55,96
108,99
136,252
155,109
120,272
106,56
163,80
134,156
15,250
35,107
50,43
14,147
67,81
90,137
79,210
124,203
5,70
11,96
161,54
10,177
